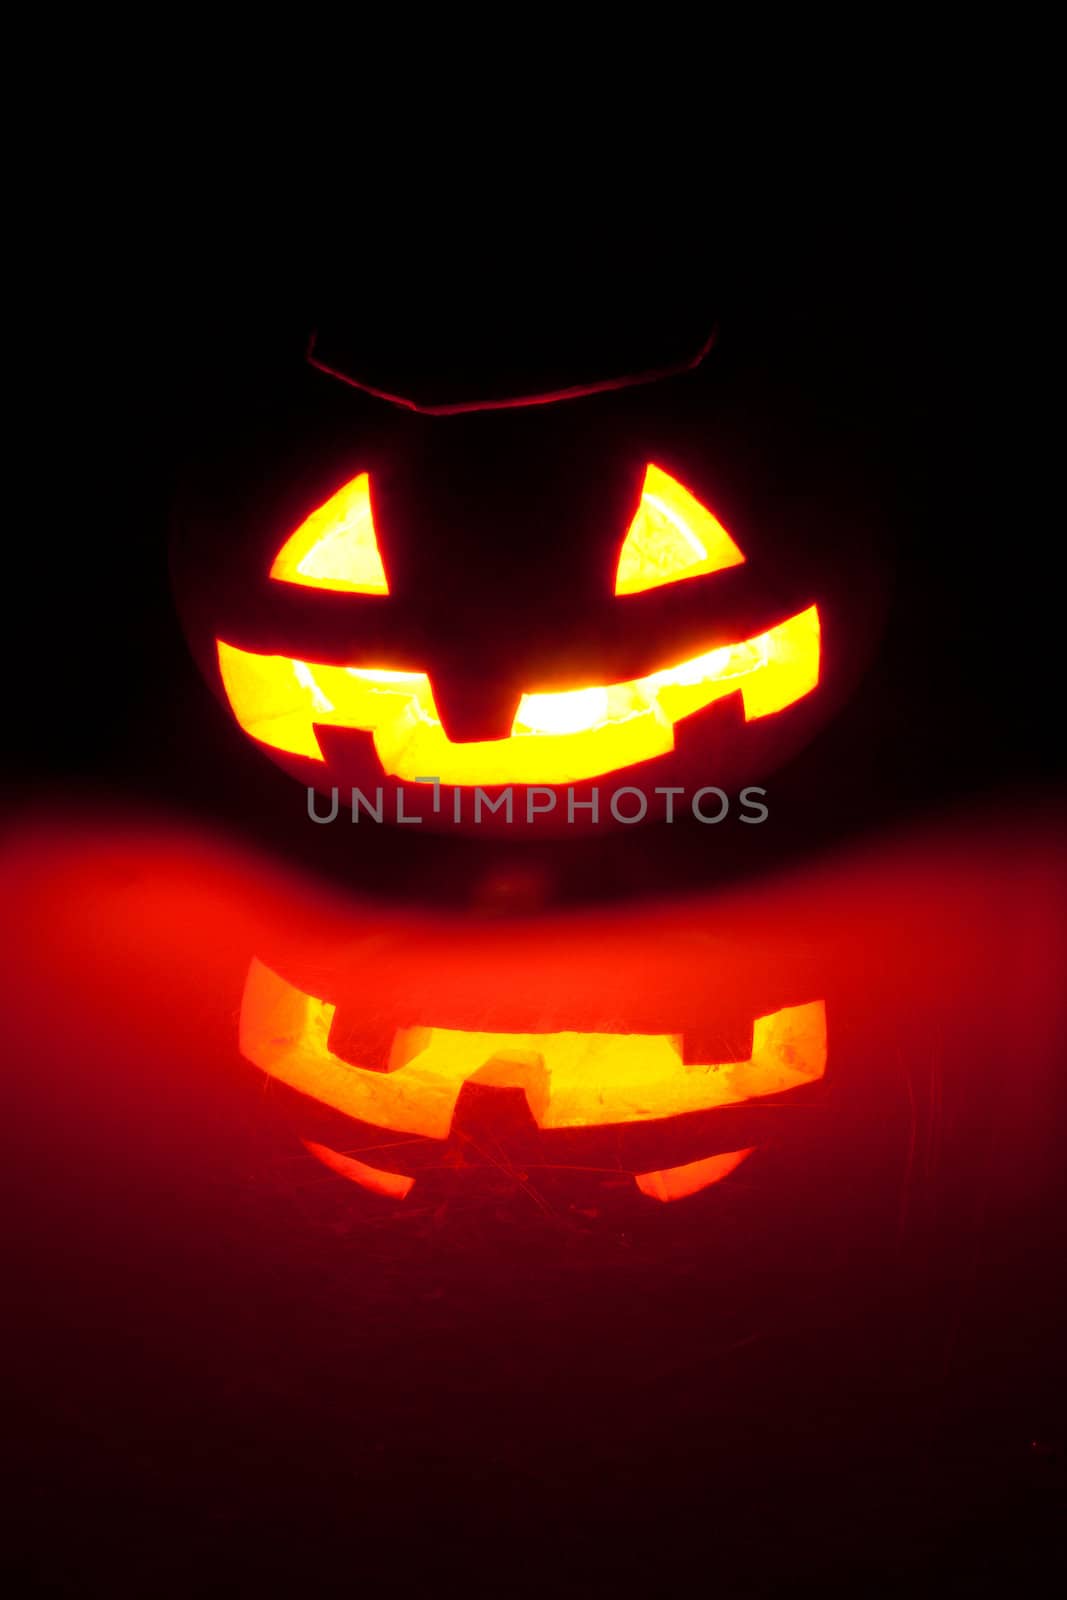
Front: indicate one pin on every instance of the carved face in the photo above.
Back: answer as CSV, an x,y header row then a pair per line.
x,y
551,601
557,736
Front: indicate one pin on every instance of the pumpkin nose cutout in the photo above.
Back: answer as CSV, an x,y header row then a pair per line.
x,y
472,710
517,1069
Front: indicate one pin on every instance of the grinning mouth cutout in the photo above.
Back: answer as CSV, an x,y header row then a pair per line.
x,y
556,738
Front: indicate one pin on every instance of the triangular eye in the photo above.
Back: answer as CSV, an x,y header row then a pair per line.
x,y
672,536
336,547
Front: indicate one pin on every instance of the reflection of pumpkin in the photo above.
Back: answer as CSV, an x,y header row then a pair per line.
x,y
560,597
569,1080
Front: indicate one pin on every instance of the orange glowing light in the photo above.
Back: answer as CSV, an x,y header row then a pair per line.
x,y
675,1183
336,547
555,738
672,536
394,1184
571,1080
672,1183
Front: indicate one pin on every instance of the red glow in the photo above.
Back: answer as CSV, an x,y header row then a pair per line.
x,y
123,989
375,1179
575,392
677,1183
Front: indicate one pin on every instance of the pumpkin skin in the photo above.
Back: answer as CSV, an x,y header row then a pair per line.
x,y
500,538
596,1068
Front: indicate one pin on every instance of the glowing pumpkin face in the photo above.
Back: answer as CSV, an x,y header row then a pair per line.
x,y
598,1082
557,737
504,614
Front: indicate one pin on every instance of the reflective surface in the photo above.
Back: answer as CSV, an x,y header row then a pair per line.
x,y
502,1362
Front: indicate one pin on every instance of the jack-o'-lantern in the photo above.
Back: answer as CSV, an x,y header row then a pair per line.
x,y
504,614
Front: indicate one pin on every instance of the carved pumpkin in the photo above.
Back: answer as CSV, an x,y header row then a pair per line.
x,y
513,614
